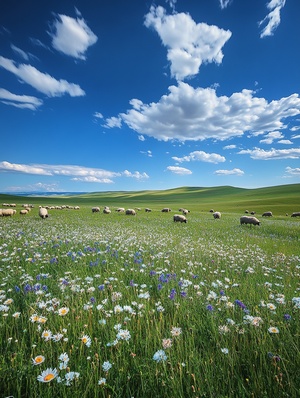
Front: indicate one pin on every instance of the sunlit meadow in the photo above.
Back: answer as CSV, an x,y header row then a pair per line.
x,y
95,305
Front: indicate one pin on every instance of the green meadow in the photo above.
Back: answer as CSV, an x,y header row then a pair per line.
x,y
120,306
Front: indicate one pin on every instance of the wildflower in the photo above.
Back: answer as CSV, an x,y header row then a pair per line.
x,y
287,317
223,329
102,381
123,335
160,356
64,357
38,360
47,335
63,311
271,306
209,307
47,375
57,337
86,340
167,343
106,366
70,376
224,350
16,315
273,330
175,332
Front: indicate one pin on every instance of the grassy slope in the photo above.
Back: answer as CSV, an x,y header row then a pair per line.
x,y
279,199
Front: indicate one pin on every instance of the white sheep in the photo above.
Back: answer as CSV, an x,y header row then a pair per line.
x,y
249,220
179,218
217,215
267,214
24,211
95,209
130,212
120,210
8,212
43,212
166,210
296,214
106,211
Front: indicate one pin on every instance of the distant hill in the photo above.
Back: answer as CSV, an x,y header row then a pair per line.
x,y
279,199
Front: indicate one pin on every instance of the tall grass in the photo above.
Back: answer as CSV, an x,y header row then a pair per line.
x,y
145,307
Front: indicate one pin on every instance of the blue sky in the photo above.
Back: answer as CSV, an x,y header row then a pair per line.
x,y
132,95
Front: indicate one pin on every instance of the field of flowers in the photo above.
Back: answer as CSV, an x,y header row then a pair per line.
x,y
95,305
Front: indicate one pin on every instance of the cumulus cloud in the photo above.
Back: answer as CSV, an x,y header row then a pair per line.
x,y
42,82
201,156
285,142
235,171
293,171
179,170
270,137
188,113
113,122
72,36
189,44
272,20
78,173
19,101
261,154
232,146
39,186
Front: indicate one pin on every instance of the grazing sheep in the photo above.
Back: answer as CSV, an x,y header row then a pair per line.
x,y
246,211
130,212
249,220
1,213
120,210
106,211
95,209
24,211
296,214
217,215
8,212
43,212
166,210
179,218
211,210
267,214
253,212
147,210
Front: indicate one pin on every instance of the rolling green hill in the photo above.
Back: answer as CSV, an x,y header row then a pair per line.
x,y
279,199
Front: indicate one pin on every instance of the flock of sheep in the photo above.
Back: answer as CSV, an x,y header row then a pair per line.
x,y
43,212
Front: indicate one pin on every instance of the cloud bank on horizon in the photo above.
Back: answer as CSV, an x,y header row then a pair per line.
x,y
186,115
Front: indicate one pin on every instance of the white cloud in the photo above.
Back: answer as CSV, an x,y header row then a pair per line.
x,y
270,137
224,3
295,137
293,172
261,154
42,82
188,44
136,174
72,36
148,153
20,52
39,186
19,101
113,122
79,173
179,170
285,142
141,138
232,146
98,115
273,18
235,171
201,156
193,114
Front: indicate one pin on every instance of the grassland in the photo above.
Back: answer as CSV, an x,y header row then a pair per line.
x,y
95,305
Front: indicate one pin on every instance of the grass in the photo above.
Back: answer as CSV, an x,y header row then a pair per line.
x,y
204,309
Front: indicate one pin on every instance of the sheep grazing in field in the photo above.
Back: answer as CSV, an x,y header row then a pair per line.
x,y
43,213
166,210
253,212
267,214
217,215
246,211
185,212
179,218
106,211
211,211
95,209
147,210
249,220
296,214
8,212
120,210
130,212
24,211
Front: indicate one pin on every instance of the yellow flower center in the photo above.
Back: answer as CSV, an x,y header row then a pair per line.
x,y
49,377
39,359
